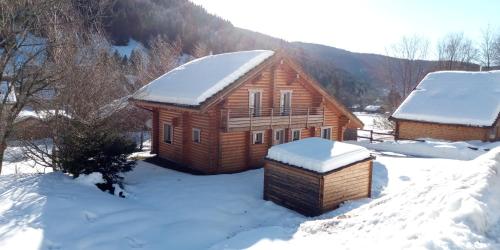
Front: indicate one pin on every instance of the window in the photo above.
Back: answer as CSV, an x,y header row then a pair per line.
x,y
326,133
258,137
254,102
279,136
196,135
295,134
285,102
167,133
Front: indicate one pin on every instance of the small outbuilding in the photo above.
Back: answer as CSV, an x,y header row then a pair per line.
x,y
314,175
452,105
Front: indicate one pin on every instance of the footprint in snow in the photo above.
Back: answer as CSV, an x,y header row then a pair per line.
x,y
134,243
404,178
89,216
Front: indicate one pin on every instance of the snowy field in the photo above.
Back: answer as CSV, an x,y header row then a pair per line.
x,y
426,203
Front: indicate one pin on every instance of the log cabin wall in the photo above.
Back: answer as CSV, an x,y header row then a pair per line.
x,y
183,150
197,154
171,151
237,151
416,130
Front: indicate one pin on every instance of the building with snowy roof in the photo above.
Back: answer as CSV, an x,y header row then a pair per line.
x,y
220,113
452,105
314,175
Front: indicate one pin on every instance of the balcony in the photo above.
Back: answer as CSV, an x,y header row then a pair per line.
x,y
250,119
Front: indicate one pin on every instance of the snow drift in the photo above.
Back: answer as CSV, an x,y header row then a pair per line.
x,y
432,148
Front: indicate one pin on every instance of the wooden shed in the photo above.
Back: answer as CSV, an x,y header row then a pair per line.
x,y
452,105
313,176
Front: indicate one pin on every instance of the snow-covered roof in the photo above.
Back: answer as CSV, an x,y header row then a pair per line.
x,y
372,108
197,80
41,115
454,97
318,154
11,96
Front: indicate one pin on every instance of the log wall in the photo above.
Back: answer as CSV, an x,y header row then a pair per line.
x,y
171,151
237,153
415,130
292,188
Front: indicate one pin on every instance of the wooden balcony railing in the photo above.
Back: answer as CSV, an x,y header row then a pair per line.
x,y
245,119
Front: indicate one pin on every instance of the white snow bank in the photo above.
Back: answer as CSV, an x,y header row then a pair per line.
x,y
454,97
90,179
317,154
432,148
478,206
195,81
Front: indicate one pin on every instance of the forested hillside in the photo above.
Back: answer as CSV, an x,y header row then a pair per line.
x,y
181,20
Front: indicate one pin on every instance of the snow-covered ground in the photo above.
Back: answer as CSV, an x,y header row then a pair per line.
x,y
427,203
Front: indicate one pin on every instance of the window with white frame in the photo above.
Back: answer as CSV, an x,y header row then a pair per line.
x,y
295,134
326,133
196,135
279,136
168,133
258,137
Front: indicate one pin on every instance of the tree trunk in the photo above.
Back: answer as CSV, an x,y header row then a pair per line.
x,y
3,146
142,139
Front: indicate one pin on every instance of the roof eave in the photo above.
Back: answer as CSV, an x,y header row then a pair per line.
x,y
392,118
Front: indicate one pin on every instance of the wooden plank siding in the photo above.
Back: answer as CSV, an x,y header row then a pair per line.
x,y
312,193
171,151
183,150
347,184
292,188
238,152
416,130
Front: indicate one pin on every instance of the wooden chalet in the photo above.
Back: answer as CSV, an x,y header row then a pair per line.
x,y
221,113
452,105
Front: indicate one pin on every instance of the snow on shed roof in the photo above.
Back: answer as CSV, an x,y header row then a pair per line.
x,y
454,97
196,81
317,154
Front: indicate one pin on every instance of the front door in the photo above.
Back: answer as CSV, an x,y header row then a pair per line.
x,y
279,136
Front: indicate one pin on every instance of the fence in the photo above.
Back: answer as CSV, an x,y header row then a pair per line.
x,y
375,135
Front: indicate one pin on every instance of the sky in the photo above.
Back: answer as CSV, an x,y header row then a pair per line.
x,y
359,25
